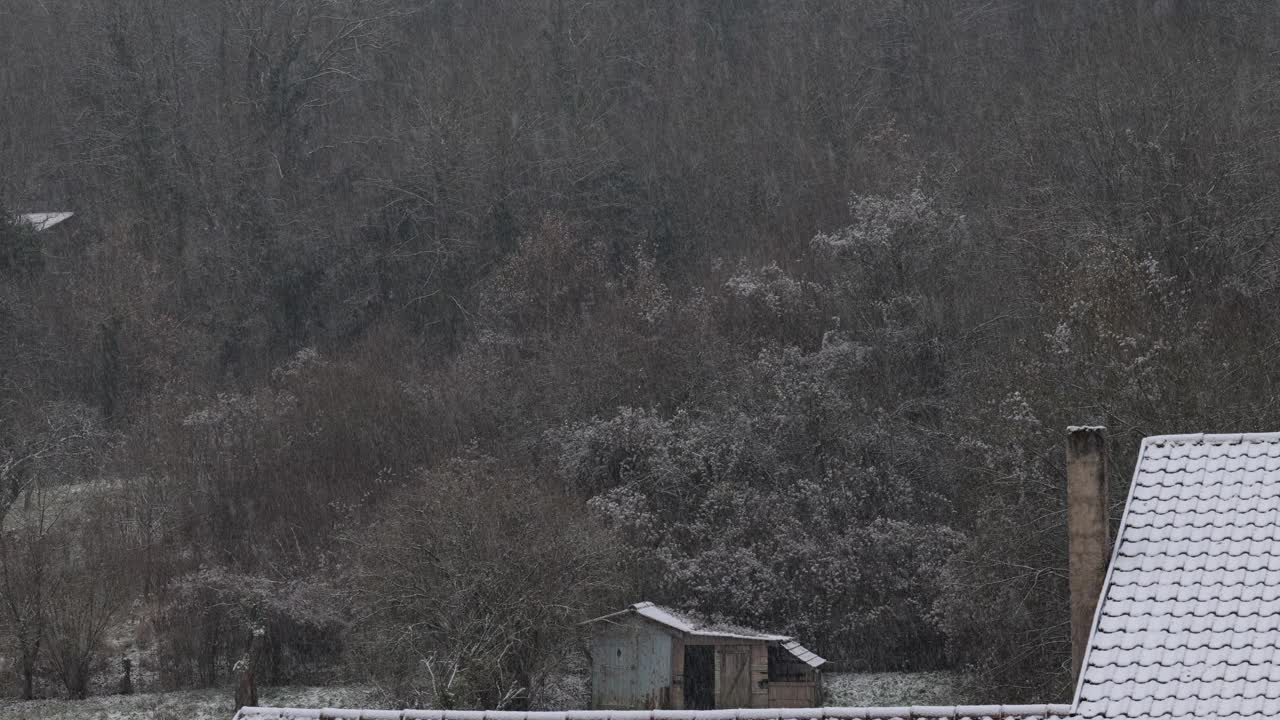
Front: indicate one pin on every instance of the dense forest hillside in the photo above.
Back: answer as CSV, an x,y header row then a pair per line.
x,y
391,338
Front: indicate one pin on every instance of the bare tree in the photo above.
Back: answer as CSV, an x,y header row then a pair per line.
x,y
44,456
469,593
89,585
24,569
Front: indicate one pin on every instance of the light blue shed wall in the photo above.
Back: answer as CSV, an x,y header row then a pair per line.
x,y
631,666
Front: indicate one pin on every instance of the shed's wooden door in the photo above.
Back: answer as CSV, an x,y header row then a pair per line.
x,y
735,676
613,679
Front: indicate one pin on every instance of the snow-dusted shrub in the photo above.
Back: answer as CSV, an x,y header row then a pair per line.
x,y
767,303
553,276
567,688
906,244
879,223
205,625
790,507
769,288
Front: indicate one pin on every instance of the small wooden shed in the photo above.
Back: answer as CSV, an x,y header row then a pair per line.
x,y
649,657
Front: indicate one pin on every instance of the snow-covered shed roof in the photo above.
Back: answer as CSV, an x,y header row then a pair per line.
x,y
948,712
1189,621
689,625
683,623
44,221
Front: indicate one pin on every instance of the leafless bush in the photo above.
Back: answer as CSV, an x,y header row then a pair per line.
x,y
468,591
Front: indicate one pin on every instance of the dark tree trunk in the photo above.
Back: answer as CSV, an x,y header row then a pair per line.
x,y
77,680
126,682
28,682
27,669
246,691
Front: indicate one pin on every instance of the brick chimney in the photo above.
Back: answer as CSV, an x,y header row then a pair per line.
x,y
1088,530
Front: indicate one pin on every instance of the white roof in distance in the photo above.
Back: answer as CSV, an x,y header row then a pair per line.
x,y
44,221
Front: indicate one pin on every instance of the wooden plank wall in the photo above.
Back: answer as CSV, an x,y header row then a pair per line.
x,y
758,668
792,694
760,676
650,673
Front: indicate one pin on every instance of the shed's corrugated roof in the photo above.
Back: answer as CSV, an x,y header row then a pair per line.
x,y
685,624
808,657
1189,621
949,712
44,221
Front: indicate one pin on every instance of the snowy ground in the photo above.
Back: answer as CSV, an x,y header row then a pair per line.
x,y
893,689
181,705
857,689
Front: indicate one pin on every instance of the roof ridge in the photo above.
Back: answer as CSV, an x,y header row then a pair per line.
x,y
912,712
1211,438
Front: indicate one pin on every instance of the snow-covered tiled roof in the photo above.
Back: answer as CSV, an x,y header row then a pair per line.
x,y
949,712
44,221
691,626
1189,621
